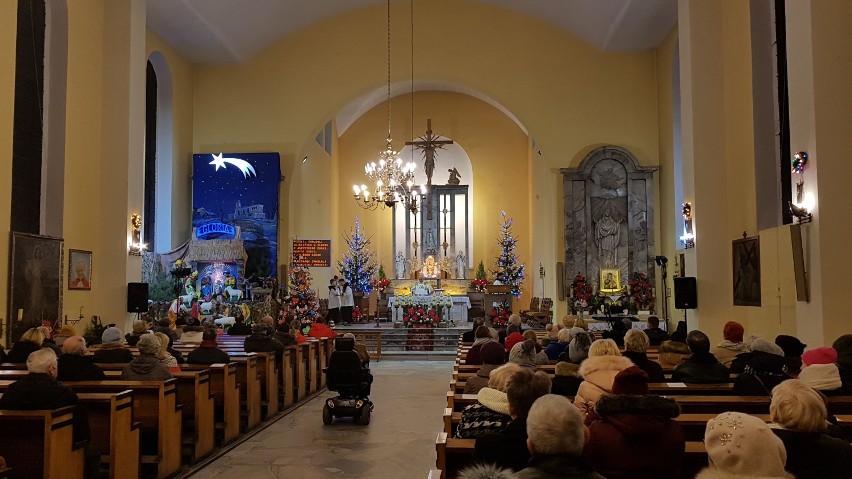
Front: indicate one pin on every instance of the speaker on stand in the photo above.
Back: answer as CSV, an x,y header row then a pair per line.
x,y
137,298
685,293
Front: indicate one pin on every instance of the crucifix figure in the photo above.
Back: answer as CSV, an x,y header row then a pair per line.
x,y
429,143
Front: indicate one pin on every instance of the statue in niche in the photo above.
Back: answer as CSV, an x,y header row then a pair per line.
x,y
430,246
607,235
399,265
455,177
461,265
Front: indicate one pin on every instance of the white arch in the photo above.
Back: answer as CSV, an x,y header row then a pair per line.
x,y
361,105
53,124
165,163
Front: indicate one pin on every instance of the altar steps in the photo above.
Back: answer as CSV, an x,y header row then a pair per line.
x,y
395,340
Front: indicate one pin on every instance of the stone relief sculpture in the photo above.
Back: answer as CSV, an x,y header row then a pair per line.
x,y
607,235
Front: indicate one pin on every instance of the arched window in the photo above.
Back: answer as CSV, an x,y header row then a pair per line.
x,y
157,212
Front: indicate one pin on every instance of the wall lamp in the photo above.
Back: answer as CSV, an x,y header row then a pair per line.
x,y
688,236
135,247
805,202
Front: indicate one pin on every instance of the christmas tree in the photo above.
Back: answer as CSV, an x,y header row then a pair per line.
x,y
301,301
509,271
357,265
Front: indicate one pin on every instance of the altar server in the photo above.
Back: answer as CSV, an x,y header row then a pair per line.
x,y
347,301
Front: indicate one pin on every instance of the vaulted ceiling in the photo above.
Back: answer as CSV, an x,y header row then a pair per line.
x,y
228,31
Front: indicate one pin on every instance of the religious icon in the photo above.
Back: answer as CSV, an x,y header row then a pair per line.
x,y
610,280
79,269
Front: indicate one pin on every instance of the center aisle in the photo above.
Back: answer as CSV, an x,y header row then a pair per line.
x,y
398,443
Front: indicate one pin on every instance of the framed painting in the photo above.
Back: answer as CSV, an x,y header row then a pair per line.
x,y
610,280
746,268
35,282
79,269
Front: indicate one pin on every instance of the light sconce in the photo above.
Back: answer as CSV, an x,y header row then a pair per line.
x,y
135,246
805,202
688,236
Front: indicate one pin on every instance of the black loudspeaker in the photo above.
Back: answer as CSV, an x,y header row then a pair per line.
x,y
137,297
685,293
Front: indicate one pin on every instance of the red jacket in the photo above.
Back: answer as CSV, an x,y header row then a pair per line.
x,y
319,330
513,339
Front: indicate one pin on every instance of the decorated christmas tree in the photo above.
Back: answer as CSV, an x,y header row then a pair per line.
x,y
301,301
357,265
509,271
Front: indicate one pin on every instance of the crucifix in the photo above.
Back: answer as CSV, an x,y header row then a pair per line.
x,y
429,143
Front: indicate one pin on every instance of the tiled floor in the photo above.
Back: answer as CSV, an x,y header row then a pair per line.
x,y
399,442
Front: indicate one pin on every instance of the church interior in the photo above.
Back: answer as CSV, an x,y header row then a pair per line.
x,y
680,144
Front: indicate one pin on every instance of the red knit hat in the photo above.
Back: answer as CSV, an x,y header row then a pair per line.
x,y
733,332
819,356
632,381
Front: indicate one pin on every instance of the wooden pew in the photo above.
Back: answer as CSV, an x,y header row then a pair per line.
x,y
268,374
199,432
226,397
747,404
248,377
452,454
301,366
42,444
288,377
155,407
114,433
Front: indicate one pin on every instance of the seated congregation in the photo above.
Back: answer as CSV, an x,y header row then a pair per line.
x,y
151,403
661,408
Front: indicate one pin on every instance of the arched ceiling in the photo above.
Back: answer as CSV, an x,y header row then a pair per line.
x,y
228,31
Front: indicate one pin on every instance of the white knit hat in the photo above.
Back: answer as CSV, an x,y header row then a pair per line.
x,y
744,445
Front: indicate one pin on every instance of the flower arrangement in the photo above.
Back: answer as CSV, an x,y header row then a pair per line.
x,y
582,297
420,314
641,292
500,315
479,284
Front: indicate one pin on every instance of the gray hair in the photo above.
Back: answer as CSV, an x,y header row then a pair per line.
x,y
149,344
75,345
349,336
636,340
797,407
564,335
554,426
40,361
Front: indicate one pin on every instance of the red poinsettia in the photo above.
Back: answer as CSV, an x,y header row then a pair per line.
x,y
641,292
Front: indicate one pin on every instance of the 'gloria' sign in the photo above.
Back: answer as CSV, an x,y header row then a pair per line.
x,y
208,229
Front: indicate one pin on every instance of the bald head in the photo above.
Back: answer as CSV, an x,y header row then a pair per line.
x,y
75,345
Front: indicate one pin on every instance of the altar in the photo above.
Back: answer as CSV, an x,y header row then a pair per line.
x,y
457,312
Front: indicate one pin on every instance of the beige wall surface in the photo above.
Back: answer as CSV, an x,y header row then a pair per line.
x,y
8,34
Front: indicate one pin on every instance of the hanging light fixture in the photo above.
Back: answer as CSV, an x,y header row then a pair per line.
x,y
392,181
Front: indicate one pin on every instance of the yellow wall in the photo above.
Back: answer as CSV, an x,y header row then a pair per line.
x,y
569,96
498,151
8,34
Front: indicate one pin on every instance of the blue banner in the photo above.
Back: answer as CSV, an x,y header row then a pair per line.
x,y
239,190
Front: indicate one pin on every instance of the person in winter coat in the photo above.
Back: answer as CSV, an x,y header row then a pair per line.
x,y
555,439
761,372
732,345
261,342
757,346
470,335
673,353
555,348
513,336
636,344
635,435
598,371
240,328
798,416
493,356
655,335
485,471
74,366
491,411
566,379
483,335
30,341
793,349
843,346
508,447
578,349
820,371
619,329
701,367
524,354
320,330
540,357
164,355
139,328
146,366
740,446
208,351
284,335
112,349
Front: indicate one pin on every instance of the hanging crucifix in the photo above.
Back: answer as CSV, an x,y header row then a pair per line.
x,y
429,143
